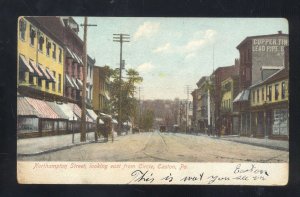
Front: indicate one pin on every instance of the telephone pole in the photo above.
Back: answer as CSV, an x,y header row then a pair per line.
x,y
120,38
83,107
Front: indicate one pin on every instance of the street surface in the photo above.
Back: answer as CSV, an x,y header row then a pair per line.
x,y
169,147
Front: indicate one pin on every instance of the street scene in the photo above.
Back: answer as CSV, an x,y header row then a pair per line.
x,y
153,89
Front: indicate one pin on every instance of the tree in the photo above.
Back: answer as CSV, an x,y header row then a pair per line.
x,y
147,119
128,86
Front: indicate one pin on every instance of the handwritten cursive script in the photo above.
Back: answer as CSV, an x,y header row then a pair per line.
x,y
140,176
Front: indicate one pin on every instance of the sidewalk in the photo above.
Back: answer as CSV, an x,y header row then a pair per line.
x,y
35,146
268,143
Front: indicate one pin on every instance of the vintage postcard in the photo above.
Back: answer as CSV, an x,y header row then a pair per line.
x,y
185,101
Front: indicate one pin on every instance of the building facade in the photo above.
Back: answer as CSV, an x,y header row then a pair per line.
x,y
101,95
40,61
269,106
260,57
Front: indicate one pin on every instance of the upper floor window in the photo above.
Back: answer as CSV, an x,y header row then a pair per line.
x,y
253,96
60,55
263,94
257,95
48,46
283,89
41,42
54,51
59,82
22,28
32,35
270,93
276,92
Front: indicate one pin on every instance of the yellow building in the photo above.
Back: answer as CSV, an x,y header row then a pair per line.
x,y
40,61
229,88
269,106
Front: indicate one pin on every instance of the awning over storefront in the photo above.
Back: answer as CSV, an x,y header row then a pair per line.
x,y
43,70
127,124
242,96
42,108
69,82
92,114
105,115
35,68
24,108
114,121
55,107
68,110
77,112
50,73
24,64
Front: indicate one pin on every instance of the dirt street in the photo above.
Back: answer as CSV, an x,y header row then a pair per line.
x,y
170,147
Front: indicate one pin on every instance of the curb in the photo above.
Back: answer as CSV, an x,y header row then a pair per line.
x,y
261,145
54,149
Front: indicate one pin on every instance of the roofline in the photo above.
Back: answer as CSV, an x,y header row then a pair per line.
x,y
259,36
265,81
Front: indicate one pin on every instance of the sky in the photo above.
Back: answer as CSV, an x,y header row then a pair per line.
x,y
171,53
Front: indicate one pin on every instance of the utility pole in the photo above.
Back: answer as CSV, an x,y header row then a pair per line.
x,y
120,38
84,57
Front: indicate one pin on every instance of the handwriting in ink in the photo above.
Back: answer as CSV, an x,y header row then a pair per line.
x,y
253,169
139,176
213,178
192,178
168,178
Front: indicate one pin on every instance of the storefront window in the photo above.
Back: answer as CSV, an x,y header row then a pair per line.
x,y
280,124
27,125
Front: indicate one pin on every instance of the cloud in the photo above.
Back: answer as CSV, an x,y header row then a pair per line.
x,y
145,67
191,47
164,48
147,30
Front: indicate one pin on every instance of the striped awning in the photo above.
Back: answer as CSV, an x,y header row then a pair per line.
x,y
42,108
25,64
35,68
79,82
69,82
43,70
75,84
24,108
77,112
67,109
55,107
50,73
114,121
70,53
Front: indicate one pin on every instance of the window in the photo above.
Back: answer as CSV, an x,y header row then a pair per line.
x,y
41,42
32,35
30,79
53,83
276,92
48,47
54,51
270,93
60,55
22,28
39,82
253,96
91,67
283,89
47,85
263,94
59,82
257,95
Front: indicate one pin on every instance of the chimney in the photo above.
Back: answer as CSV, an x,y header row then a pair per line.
x,y
280,32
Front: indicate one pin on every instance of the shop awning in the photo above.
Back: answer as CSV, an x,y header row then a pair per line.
x,y
127,124
68,110
50,73
24,64
42,108
25,109
92,114
55,107
69,82
43,70
35,68
242,96
77,112
106,95
114,121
